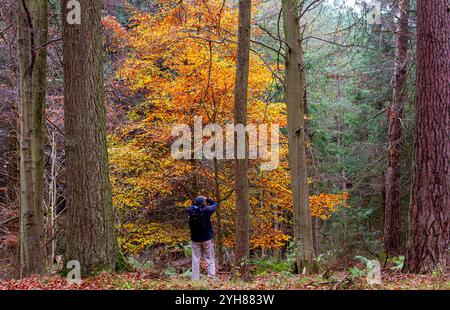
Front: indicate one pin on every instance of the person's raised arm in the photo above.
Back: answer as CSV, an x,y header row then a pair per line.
x,y
212,205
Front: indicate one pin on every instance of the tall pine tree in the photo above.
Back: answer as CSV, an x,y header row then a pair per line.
x,y
91,238
429,226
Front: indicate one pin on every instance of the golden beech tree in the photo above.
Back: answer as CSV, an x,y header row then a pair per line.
x,y
183,60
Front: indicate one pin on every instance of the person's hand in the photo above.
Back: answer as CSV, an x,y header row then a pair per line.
x,y
209,201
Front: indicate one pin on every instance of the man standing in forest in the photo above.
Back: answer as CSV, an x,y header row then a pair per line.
x,y
201,235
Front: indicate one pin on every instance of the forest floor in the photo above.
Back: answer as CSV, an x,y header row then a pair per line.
x,y
147,281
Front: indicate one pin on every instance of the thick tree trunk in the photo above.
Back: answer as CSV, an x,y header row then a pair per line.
x,y
91,238
32,28
392,218
295,85
240,117
430,198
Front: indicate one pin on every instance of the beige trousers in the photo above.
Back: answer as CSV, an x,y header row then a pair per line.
x,y
206,250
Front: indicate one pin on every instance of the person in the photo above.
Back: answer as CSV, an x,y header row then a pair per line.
x,y
199,215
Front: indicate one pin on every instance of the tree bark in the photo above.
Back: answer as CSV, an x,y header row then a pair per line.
x,y
316,235
218,199
295,99
32,29
392,216
429,227
91,237
12,169
240,117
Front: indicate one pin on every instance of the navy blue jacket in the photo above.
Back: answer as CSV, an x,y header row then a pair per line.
x,y
207,233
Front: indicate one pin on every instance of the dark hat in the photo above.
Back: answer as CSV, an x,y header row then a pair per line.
x,y
200,200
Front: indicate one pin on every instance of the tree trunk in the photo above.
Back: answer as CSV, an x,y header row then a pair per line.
x,y
52,198
341,144
12,169
91,238
316,235
32,28
219,228
392,218
430,197
295,85
240,117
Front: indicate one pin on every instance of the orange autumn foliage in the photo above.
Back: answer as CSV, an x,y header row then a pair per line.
x,y
324,205
183,60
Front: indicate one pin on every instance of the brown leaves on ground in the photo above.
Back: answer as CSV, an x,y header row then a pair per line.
x,y
145,281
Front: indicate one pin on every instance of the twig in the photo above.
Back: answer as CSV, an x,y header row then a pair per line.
x,y
48,43
9,220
